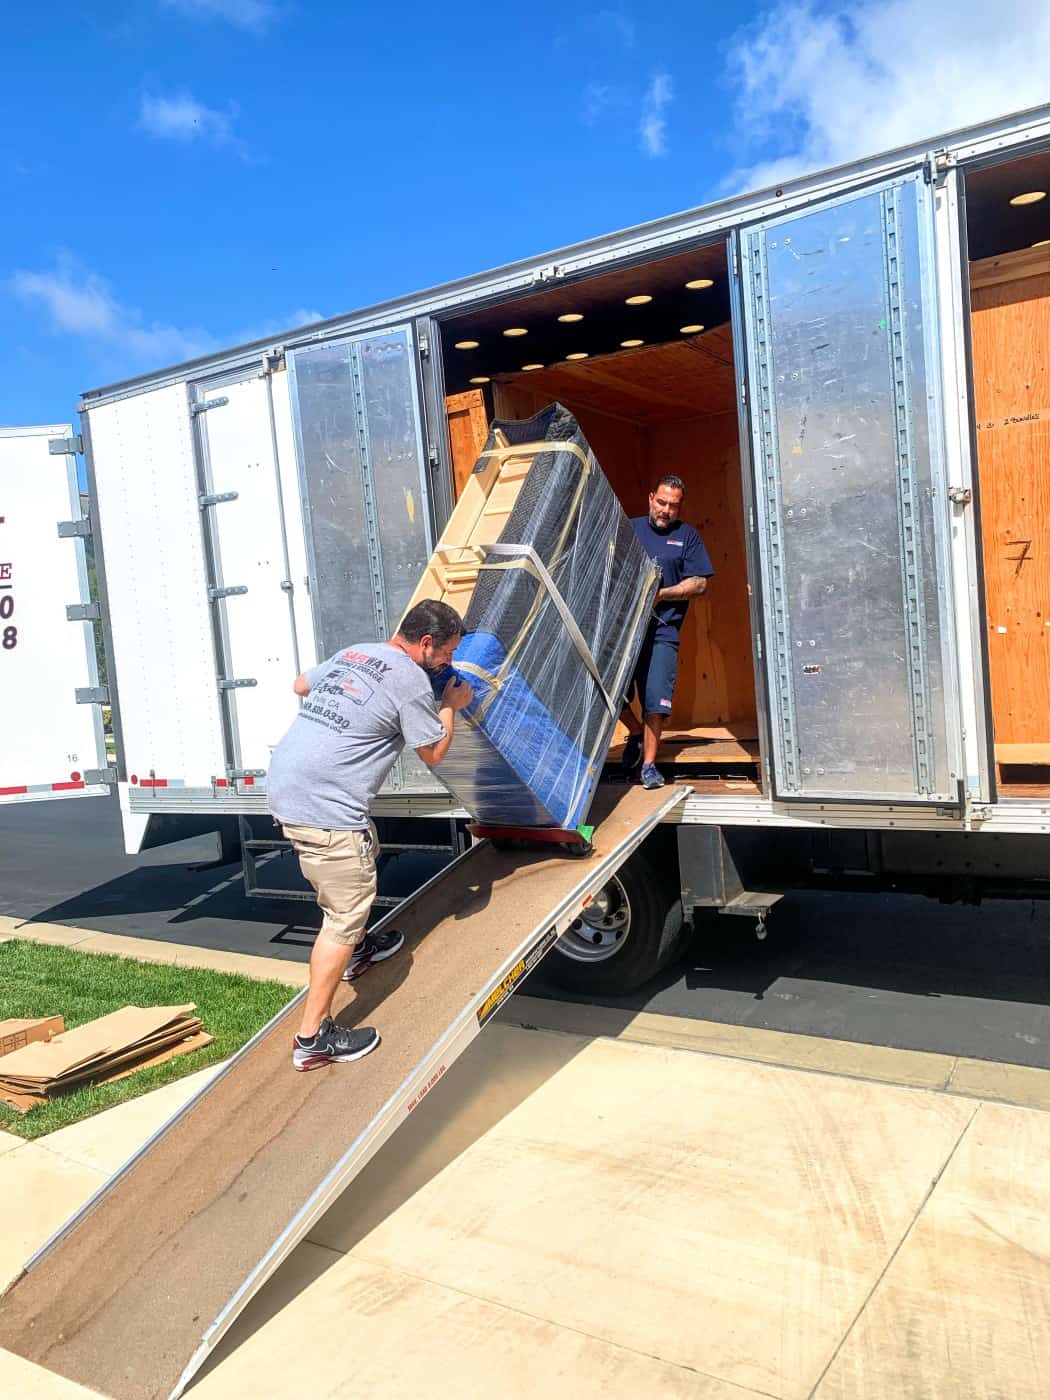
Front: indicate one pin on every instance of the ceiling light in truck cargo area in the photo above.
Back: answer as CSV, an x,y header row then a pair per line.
x,y
641,300
690,330
577,355
481,379
630,344
466,344
516,330
1043,243
571,316
699,283
1032,197
532,366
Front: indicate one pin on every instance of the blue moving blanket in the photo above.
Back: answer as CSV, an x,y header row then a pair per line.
x,y
511,765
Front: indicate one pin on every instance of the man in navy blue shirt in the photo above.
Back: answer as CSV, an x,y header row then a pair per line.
x,y
686,567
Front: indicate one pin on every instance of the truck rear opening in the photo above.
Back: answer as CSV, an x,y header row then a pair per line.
x,y
654,388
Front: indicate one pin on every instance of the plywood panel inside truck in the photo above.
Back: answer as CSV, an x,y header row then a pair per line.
x,y
1011,359
672,408
468,427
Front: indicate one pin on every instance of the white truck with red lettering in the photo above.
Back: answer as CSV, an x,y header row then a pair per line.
x,y
48,670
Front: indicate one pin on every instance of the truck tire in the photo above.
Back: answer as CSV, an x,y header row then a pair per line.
x,y
630,930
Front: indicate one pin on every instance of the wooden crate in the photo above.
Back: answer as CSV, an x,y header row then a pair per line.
x,y
486,498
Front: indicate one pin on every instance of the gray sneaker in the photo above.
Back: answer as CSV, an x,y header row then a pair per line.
x,y
373,948
332,1045
651,776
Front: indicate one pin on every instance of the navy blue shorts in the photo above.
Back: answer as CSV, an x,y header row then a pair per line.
x,y
654,677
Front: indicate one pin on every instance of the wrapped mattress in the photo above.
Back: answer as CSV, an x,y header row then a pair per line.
x,y
556,593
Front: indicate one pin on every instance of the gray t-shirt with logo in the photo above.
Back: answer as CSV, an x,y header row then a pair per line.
x,y
365,704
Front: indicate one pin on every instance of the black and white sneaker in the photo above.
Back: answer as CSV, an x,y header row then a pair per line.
x,y
333,1045
373,948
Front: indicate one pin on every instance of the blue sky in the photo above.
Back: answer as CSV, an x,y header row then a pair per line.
x,y
180,175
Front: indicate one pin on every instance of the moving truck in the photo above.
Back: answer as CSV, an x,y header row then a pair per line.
x,y
851,372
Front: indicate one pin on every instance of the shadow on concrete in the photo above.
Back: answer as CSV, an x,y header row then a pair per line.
x,y
496,1074
882,969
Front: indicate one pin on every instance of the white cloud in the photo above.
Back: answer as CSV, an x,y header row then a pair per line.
x,y
80,302
274,329
652,128
255,15
815,88
597,98
183,118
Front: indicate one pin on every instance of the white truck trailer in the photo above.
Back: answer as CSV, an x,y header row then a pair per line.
x,y
852,374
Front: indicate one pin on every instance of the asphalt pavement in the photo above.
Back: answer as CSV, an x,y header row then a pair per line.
x,y
890,970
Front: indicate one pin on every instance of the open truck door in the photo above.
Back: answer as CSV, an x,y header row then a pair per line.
x,y
254,519
851,508
52,742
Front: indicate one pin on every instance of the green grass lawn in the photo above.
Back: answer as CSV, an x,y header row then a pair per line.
x,y
39,980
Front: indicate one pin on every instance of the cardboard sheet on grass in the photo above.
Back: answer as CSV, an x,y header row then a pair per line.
x,y
556,593
23,1030
99,1052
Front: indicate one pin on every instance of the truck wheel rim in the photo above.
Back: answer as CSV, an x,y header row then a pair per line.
x,y
602,929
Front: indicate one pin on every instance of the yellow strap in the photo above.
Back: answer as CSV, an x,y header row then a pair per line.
x,y
534,448
472,670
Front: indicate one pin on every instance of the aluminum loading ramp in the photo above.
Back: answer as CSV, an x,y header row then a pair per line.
x,y
134,1292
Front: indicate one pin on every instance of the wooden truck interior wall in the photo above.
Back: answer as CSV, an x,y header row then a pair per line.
x,y
1010,336
662,408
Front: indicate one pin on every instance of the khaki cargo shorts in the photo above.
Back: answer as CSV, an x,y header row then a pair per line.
x,y
341,866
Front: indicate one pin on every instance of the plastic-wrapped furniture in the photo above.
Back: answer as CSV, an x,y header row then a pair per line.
x,y
556,593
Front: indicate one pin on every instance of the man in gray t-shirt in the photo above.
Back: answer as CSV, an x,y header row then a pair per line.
x,y
360,708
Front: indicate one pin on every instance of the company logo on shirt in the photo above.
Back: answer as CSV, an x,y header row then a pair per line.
x,y
361,658
356,690
677,544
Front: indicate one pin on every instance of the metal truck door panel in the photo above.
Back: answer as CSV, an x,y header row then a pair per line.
x,y
49,744
146,484
843,376
363,468
250,588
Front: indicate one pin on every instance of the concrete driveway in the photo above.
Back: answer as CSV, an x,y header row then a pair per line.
x,y
580,1215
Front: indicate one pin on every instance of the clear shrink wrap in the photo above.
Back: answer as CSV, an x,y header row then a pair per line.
x,y
556,593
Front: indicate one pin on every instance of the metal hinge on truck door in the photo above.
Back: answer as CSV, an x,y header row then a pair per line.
x,y
74,529
92,695
202,405
62,447
83,612
936,166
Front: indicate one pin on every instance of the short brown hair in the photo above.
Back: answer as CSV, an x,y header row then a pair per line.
x,y
675,482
